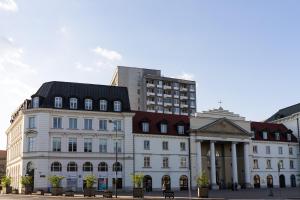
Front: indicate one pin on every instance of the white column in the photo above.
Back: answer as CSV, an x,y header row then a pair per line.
x,y
199,158
213,166
234,163
247,165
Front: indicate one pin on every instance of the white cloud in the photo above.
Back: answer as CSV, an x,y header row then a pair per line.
x,y
8,5
186,76
108,54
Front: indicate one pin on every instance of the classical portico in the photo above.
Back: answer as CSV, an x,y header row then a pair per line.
x,y
220,148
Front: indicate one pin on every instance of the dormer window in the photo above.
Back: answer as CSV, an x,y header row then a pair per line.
x,y
103,105
277,136
73,103
289,137
163,128
117,106
265,135
180,129
145,127
58,102
88,104
35,102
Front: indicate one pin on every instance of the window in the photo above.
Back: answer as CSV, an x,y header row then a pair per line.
x,y
165,162
72,167
176,85
88,104
165,145
88,144
265,135
103,146
182,146
289,137
118,125
280,150
58,102
56,167
280,164
147,162
103,125
117,106
57,122
73,103
88,124
255,149
145,127
255,164
146,145
192,95
180,129
183,162
72,123
290,150
117,167
176,93
269,164
176,101
159,91
176,110
56,144
30,144
72,145
163,128
102,167
118,142
291,164
103,105
192,103
277,136
31,122
35,102
268,150
87,167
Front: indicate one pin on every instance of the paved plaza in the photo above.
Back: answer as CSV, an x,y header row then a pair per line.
x,y
288,193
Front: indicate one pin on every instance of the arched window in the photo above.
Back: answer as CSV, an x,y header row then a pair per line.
x,y
117,106
102,167
163,127
73,103
87,167
270,181
72,167
183,182
58,102
88,104
56,167
103,105
166,182
35,102
256,180
117,167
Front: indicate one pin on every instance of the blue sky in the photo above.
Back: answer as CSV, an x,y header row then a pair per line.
x,y
245,53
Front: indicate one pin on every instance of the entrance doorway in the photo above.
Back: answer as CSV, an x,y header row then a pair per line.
x,y
282,181
293,180
166,182
184,183
256,180
147,183
102,184
270,181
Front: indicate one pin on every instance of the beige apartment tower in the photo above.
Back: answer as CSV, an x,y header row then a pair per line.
x,y
150,91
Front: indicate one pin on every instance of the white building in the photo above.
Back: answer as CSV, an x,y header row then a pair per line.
x,y
66,130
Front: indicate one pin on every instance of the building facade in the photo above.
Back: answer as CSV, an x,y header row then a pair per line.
x,y
2,163
150,91
73,130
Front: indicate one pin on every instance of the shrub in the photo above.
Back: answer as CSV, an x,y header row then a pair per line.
x,y
137,179
6,181
55,180
26,180
90,180
202,180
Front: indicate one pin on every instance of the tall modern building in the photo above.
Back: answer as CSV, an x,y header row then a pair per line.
x,y
150,91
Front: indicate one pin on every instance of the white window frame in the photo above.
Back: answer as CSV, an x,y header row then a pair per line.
x,y
291,152
88,145
180,129
164,128
56,144
102,124
103,105
57,123
35,102
119,145
73,123
146,144
277,136
165,162
280,150
102,145
30,144
88,124
265,135
31,122
145,127
117,125
165,145
73,142
183,162
58,102
255,164
73,103
117,106
88,104
147,162
255,149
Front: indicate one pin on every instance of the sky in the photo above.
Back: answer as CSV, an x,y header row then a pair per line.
x,y
244,53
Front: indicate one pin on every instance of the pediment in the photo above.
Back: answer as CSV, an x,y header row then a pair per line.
x,y
224,126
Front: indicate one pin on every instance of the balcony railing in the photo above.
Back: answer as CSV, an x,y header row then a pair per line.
x,y
150,85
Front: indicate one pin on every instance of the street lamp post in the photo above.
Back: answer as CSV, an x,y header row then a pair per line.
x,y
116,156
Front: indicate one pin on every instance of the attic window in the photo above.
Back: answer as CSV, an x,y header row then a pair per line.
x,y
58,102
265,135
163,127
35,102
88,104
277,136
73,103
117,106
145,127
289,137
180,129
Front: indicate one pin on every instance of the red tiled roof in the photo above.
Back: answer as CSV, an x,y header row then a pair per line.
x,y
155,119
271,128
